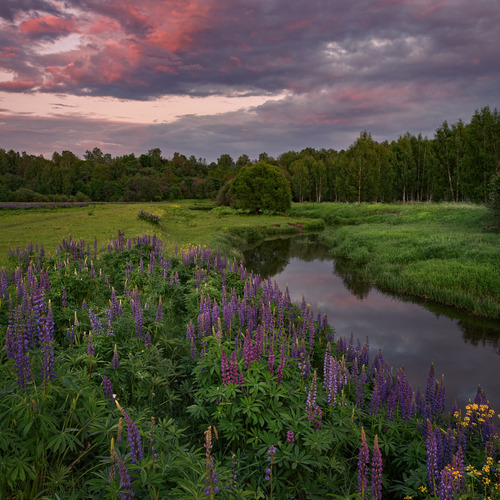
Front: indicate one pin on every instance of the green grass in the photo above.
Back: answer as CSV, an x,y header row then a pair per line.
x,y
182,223
441,252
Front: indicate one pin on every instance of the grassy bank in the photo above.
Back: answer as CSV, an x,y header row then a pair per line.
x,y
441,252
182,223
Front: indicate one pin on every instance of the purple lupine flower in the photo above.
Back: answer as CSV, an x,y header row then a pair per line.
x,y
432,457
108,388
376,473
90,346
84,304
317,417
70,334
248,350
233,368
269,470
95,322
47,347
363,461
446,490
125,481
193,352
134,438
19,350
4,283
115,362
211,471
311,398
290,436
281,366
224,369
328,378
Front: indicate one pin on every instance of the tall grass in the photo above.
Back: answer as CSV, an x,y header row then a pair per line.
x,y
441,252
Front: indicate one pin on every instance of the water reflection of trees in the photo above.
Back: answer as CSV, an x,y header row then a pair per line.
x,y
359,288
270,258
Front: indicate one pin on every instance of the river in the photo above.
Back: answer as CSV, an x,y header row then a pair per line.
x,y
413,334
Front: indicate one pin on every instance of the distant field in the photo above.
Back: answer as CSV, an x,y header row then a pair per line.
x,y
182,223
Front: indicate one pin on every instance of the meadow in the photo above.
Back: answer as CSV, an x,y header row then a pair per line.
x,y
137,367
182,223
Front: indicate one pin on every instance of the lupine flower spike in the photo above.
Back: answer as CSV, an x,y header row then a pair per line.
x,y
363,460
269,470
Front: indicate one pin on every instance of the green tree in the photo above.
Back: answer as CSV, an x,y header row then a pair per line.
x,y
261,187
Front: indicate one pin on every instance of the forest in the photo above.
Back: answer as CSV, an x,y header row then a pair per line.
x,y
457,164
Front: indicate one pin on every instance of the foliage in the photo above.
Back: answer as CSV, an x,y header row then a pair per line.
x,y
261,187
455,165
132,371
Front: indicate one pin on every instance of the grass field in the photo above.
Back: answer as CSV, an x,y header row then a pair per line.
x,y
182,223
443,252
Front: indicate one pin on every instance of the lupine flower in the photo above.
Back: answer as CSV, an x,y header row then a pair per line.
x,y
432,457
70,334
115,362
108,388
211,471
64,302
125,481
235,471
311,398
134,438
224,369
376,473
290,437
47,347
269,470
363,461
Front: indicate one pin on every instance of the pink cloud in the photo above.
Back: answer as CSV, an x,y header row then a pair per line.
x,y
17,86
47,25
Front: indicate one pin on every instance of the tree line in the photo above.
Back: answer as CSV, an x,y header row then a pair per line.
x,y
457,164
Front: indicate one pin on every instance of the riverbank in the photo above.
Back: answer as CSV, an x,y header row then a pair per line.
x,y
441,252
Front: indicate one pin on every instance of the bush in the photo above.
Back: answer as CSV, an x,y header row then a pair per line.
x,y
261,187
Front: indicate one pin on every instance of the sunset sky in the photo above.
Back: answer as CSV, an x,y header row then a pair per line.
x,y
208,77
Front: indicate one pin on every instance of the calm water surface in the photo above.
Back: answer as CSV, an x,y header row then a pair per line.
x,y
463,348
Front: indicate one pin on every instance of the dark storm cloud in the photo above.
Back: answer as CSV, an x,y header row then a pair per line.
x,y
9,8
216,47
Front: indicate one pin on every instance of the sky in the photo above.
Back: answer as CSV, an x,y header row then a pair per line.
x,y
213,77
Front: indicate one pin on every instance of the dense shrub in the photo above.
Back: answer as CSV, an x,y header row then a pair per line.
x,y
261,187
